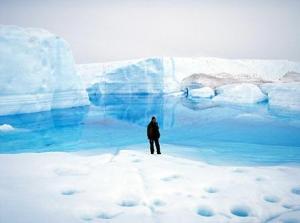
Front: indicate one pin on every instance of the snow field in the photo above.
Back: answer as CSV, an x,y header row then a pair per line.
x,y
132,186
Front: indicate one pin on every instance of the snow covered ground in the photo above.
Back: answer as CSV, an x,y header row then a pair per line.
x,y
134,186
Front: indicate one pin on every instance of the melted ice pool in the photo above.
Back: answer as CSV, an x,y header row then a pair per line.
x,y
215,133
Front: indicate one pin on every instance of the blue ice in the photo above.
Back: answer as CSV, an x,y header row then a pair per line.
x,y
216,133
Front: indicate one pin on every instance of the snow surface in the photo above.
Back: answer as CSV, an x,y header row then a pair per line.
x,y
239,93
132,186
37,72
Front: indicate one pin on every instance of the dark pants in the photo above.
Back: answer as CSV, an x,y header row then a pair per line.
x,y
156,145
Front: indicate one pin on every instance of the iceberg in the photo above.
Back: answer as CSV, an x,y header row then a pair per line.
x,y
37,72
234,81
204,92
6,128
240,93
145,76
174,74
283,95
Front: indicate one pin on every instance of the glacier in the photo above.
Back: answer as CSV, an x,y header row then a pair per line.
x,y
175,71
37,72
241,79
144,76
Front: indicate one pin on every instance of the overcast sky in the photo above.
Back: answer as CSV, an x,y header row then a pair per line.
x,y
100,31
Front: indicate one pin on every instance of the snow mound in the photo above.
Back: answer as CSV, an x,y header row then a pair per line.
x,y
37,72
239,93
204,92
6,128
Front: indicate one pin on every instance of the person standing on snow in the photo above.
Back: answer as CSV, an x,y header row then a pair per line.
x,y
153,135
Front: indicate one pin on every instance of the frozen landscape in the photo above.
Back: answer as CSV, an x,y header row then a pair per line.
x,y
73,145
131,186
37,72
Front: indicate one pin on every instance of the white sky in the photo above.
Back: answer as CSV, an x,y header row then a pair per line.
x,y
100,31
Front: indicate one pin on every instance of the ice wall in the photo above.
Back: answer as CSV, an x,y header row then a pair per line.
x,y
37,72
141,77
173,71
241,80
283,95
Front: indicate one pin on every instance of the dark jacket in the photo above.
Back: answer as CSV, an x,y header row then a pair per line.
x,y
153,130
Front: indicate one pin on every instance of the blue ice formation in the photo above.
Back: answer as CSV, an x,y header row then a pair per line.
x,y
143,77
37,72
222,80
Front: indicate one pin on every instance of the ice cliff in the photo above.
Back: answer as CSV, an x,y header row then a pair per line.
x,y
168,74
223,80
144,76
37,72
